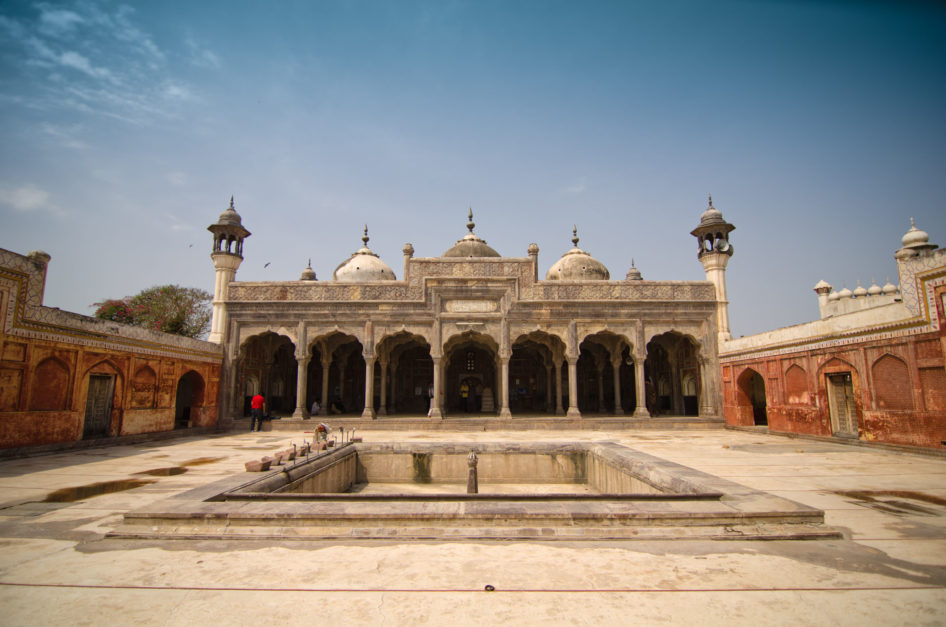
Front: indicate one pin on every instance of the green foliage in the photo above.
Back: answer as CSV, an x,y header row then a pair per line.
x,y
168,308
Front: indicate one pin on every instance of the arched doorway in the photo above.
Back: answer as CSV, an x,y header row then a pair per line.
x,y
336,375
606,376
189,400
268,361
405,374
672,375
470,370
751,394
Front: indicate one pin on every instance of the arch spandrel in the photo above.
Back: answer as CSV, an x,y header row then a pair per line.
x,y
520,330
694,333
490,332
317,332
247,332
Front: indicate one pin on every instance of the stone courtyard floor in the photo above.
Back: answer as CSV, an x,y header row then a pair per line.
x,y
57,566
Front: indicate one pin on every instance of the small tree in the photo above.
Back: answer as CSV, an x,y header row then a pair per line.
x,y
168,308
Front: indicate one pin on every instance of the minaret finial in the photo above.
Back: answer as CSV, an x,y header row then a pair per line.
x,y
364,238
231,203
310,263
912,225
575,235
632,262
710,200
470,224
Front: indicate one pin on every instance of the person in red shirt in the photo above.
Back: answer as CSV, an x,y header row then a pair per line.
x,y
257,405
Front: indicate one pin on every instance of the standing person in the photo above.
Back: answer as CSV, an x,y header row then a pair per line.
x,y
315,408
257,407
465,396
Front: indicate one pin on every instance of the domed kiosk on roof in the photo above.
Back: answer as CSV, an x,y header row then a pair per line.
x,y
363,265
577,265
470,245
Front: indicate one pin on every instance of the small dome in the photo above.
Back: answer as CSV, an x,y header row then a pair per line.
x,y
845,293
308,274
915,237
533,249
874,289
363,265
577,265
822,285
712,215
470,245
230,216
833,296
634,274
860,291
890,288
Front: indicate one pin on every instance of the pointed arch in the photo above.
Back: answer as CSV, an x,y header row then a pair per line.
x,y
49,388
892,387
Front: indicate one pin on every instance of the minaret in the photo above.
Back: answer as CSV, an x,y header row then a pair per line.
x,y
715,251
227,255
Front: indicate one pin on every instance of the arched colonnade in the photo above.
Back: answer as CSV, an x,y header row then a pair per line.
x,y
470,373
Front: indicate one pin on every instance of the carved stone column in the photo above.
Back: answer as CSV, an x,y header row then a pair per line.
x,y
383,406
369,388
326,365
559,410
548,388
392,394
600,369
616,369
504,392
641,388
435,411
573,388
302,378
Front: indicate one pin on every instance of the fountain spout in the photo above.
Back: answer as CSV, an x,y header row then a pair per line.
x,y
472,481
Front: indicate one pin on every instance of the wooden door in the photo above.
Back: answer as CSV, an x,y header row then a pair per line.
x,y
98,406
841,404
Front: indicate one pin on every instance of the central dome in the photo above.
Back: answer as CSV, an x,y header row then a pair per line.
x,y
470,245
577,265
363,266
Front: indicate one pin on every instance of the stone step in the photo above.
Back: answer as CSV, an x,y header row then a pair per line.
x,y
798,531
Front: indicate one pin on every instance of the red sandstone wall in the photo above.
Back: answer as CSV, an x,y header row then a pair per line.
x,y
899,389
44,389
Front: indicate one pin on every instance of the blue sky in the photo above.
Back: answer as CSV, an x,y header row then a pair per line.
x,y
819,128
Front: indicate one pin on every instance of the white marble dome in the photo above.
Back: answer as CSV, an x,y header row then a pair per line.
x,y
470,245
577,265
363,266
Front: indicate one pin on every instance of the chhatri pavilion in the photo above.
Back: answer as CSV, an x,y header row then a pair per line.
x,y
472,332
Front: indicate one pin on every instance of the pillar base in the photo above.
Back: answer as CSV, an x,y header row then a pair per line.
x,y
300,413
559,412
618,412
505,413
573,413
641,412
368,414
382,411
436,414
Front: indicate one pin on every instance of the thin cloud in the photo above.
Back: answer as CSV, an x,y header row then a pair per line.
x,y
94,60
576,188
26,198
200,56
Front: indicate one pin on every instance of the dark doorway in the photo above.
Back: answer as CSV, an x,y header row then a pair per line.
x,y
98,405
190,399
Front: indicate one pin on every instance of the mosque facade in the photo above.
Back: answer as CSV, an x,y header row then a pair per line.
x,y
472,332
871,368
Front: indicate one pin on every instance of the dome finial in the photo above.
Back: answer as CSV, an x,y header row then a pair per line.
x,y
575,235
469,216
364,238
912,225
232,209
710,200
